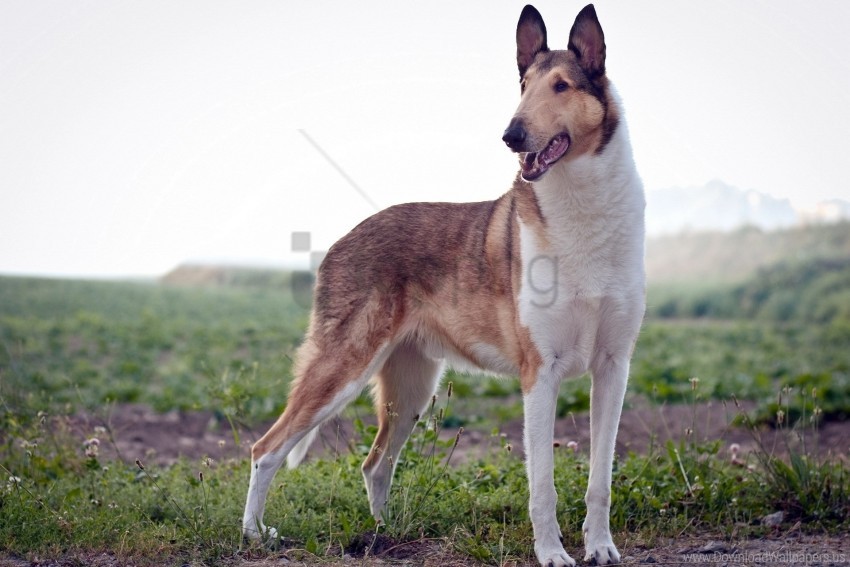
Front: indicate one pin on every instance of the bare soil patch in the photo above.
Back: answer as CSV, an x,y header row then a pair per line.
x,y
141,433
788,548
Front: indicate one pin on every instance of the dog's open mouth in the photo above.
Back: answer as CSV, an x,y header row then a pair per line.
x,y
535,164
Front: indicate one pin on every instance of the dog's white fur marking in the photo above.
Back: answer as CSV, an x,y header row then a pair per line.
x,y
546,282
299,452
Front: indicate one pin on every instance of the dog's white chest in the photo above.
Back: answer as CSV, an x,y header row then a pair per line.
x,y
573,299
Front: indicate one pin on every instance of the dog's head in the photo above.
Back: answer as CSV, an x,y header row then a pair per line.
x,y
565,110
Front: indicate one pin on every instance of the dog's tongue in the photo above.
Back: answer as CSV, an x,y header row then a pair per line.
x,y
535,164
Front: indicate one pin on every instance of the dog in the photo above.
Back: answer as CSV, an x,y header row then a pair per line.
x,y
546,282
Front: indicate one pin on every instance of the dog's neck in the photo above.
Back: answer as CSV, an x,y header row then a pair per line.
x,y
598,185
594,197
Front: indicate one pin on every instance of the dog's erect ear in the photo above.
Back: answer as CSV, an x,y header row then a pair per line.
x,y
530,37
588,42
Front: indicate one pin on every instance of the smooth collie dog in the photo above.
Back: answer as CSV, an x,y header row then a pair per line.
x,y
546,282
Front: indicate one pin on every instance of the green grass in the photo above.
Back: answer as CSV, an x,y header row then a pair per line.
x,y
70,345
67,346
742,358
58,499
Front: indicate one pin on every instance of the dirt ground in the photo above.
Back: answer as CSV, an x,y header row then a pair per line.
x,y
157,438
787,548
140,433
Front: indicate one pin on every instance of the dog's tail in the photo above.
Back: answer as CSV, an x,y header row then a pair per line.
x,y
297,454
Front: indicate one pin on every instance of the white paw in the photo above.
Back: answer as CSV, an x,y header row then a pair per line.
x,y
553,557
266,534
598,545
602,554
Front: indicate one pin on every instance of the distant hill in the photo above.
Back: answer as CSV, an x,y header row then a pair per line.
x,y
211,275
719,206
812,291
800,274
723,257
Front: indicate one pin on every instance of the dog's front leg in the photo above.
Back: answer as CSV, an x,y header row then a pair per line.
x,y
608,388
539,408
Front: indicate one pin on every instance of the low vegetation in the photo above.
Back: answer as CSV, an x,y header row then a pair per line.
x,y
60,497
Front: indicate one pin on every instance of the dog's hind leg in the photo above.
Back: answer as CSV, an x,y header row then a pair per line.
x,y
299,451
323,385
403,388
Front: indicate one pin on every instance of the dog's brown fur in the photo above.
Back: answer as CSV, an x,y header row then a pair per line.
x,y
458,299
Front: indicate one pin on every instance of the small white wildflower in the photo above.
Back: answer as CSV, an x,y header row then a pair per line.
x,y
91,447
12,484
734,449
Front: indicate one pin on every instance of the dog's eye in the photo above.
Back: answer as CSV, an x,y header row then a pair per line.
x,y
561,86
522,86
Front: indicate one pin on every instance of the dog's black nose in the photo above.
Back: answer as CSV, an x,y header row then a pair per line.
x,y
515,135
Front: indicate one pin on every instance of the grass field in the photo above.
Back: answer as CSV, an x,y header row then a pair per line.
x,y
67,347
70,345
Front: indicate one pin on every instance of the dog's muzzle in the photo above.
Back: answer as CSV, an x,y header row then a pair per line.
x,y
534,162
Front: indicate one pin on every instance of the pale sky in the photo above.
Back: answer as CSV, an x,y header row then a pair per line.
x,y
138,135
